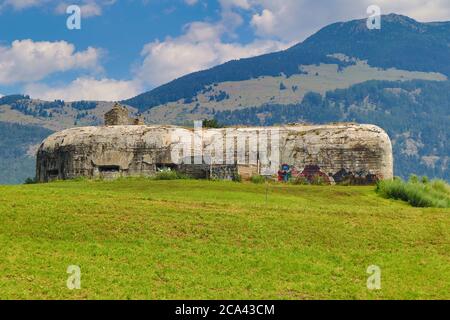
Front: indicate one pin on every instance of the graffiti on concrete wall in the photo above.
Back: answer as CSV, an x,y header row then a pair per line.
x,y
355,178
285,173
313,174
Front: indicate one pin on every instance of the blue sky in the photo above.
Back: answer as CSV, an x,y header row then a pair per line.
x,y
126,47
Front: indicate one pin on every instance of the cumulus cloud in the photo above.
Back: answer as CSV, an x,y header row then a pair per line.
x,y
265,22
86,89
28,61
200,47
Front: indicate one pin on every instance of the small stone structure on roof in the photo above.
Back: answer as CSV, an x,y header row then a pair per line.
x,y
120,116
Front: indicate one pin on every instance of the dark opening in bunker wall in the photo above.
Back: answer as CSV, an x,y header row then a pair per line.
x,y
53,173
109,169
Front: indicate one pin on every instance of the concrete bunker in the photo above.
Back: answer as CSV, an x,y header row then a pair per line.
x,y
337,153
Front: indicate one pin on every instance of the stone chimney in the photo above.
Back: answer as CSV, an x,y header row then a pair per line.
x,y
117,116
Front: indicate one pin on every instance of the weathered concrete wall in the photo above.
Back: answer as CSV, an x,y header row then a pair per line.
x,y
340,152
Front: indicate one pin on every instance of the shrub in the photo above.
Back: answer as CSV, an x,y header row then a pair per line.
x,y
30,181
211,123
414,179
237,178
435,194
440,186
257,179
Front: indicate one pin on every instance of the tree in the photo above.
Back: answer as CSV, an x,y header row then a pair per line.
x,y
211,123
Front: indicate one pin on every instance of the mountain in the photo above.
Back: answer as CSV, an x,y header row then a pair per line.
x,y
402,43
396,77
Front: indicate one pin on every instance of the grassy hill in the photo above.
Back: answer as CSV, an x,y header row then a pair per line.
x,y
217,240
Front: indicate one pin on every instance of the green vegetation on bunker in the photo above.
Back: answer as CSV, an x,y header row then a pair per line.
x,y
186,239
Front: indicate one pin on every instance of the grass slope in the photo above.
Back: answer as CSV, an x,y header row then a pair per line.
x,y
217,240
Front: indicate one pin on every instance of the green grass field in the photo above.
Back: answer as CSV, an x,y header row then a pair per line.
x,y
186,239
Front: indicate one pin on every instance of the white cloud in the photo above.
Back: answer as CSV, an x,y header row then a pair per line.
x,y
86,89
28,61
264,23
200,47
